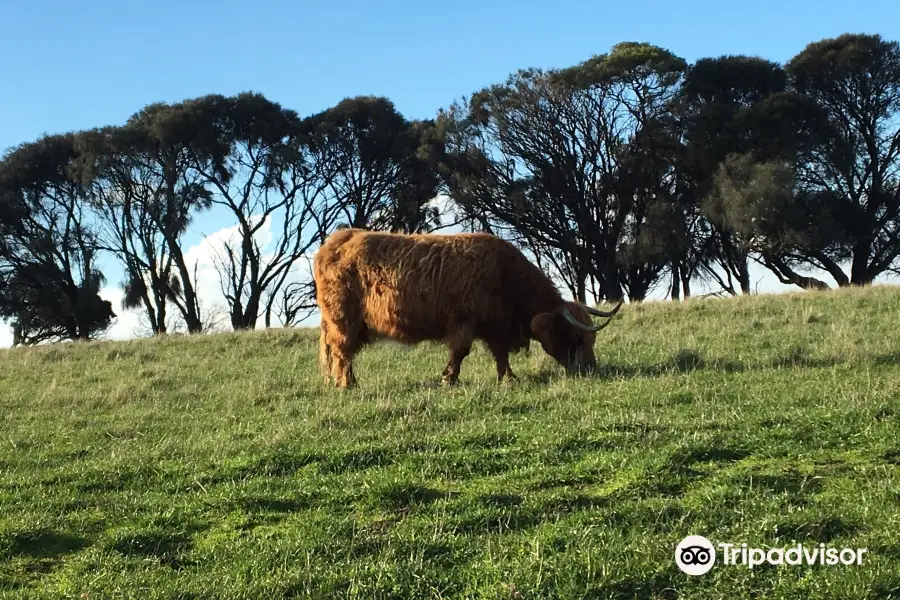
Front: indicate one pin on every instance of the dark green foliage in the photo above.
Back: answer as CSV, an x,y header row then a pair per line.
x,y
855,80
263,170
378,177
575,164
145,195
731,105
49,283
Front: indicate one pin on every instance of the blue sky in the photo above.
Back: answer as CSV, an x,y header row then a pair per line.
x,y
74,65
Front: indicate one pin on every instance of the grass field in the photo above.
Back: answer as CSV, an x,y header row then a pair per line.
x,y
221,467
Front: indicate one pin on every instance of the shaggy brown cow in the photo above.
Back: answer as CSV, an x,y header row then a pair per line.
x,y
448,288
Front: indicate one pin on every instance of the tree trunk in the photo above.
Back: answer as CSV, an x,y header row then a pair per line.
x,y
191,317
833,269
675,288
237,315
637,294
581,286
610,286
787,275
744,276
159,324
251,312
686,283
859,269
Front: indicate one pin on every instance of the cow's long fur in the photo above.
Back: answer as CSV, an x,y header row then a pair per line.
x,y
448,288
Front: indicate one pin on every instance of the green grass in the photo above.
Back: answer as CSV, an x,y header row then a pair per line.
x,y
221,467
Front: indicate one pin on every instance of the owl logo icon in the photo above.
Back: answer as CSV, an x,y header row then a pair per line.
x,y
695,555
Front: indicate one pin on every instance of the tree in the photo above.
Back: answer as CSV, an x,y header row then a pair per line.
x,y
119,188
291,303
756,203
378,176
855,80
572,161
49,281
268,178
716,94
141,180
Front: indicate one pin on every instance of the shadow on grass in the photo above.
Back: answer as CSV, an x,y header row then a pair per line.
x,y
402,497
280,463
820,531
568,480
360,459
168,550
109,480
892,456
606,438
684,361
462,464
792,483
573,502
497,520
501,512
658,586
687,361
486,441
41,543
500,499
891,359
572,448
542,377
700,454
520,408
278,505
645,518
677,473
798,356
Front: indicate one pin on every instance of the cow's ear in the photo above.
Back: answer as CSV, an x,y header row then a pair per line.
x,y
542,325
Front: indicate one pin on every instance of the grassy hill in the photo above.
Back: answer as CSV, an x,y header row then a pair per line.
x,y
221,467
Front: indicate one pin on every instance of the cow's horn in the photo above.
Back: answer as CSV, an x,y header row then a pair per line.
x,y
578,324
600,313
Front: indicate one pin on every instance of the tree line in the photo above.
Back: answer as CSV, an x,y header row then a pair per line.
x,y
632,170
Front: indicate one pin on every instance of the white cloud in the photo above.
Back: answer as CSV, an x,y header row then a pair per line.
x,y
127,322
5,336
204,257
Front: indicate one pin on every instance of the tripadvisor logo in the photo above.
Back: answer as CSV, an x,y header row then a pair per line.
x,y
696,555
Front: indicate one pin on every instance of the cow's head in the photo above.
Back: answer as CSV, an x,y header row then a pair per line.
x,y
568,334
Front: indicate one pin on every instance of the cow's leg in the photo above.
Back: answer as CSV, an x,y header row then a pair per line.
x,y
451,371
500,352
460,344
342,364
343,343
324,351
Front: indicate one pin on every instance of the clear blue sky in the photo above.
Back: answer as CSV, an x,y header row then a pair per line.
x,y
74,65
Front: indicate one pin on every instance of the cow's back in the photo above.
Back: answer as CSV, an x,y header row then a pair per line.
x,y
416,287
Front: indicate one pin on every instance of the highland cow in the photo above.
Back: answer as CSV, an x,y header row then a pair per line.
x,y
452,289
